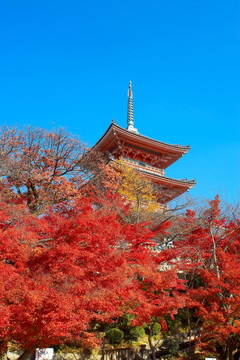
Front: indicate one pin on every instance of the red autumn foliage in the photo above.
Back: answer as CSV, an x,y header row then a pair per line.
x,y
43,166
208,253
74,265
67,261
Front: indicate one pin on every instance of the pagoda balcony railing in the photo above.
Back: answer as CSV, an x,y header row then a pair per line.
x,y
143,166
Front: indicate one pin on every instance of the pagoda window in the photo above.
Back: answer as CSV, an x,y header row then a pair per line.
x,y
141,164
135,161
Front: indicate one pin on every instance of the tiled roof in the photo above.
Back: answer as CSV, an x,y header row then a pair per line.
x,y
146,137
190,182
178,146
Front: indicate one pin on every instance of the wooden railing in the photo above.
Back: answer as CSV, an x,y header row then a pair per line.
x,y
118,354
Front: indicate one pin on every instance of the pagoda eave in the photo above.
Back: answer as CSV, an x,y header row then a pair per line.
x,y
127,142
167,189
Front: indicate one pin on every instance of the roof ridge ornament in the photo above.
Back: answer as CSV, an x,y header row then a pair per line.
x,y
130,115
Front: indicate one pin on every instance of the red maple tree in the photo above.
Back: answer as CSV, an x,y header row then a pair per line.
x,y
208,254
73,266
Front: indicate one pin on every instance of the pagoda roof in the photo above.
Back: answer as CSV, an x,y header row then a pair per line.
x,y
115,135
171,188
170,181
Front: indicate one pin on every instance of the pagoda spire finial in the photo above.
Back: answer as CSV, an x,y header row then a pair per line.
x,y
130,115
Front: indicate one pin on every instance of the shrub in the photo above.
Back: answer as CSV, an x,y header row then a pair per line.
x,y
156,329
136,332
115,336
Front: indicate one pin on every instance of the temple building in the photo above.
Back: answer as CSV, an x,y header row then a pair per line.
x,y
148,156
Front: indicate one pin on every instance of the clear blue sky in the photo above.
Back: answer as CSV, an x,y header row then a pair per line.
x,y
69,63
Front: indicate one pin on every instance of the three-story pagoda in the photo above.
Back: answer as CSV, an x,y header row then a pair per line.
x,y
148,156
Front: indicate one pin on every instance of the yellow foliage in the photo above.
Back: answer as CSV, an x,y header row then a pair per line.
x,y
137,190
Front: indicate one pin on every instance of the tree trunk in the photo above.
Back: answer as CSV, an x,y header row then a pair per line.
x,y
225,352
152,347
190,333
231,348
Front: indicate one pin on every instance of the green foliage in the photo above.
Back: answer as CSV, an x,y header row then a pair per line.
x,y
182,320
124,324
136,332
173,347
131,333
156,329
115,336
